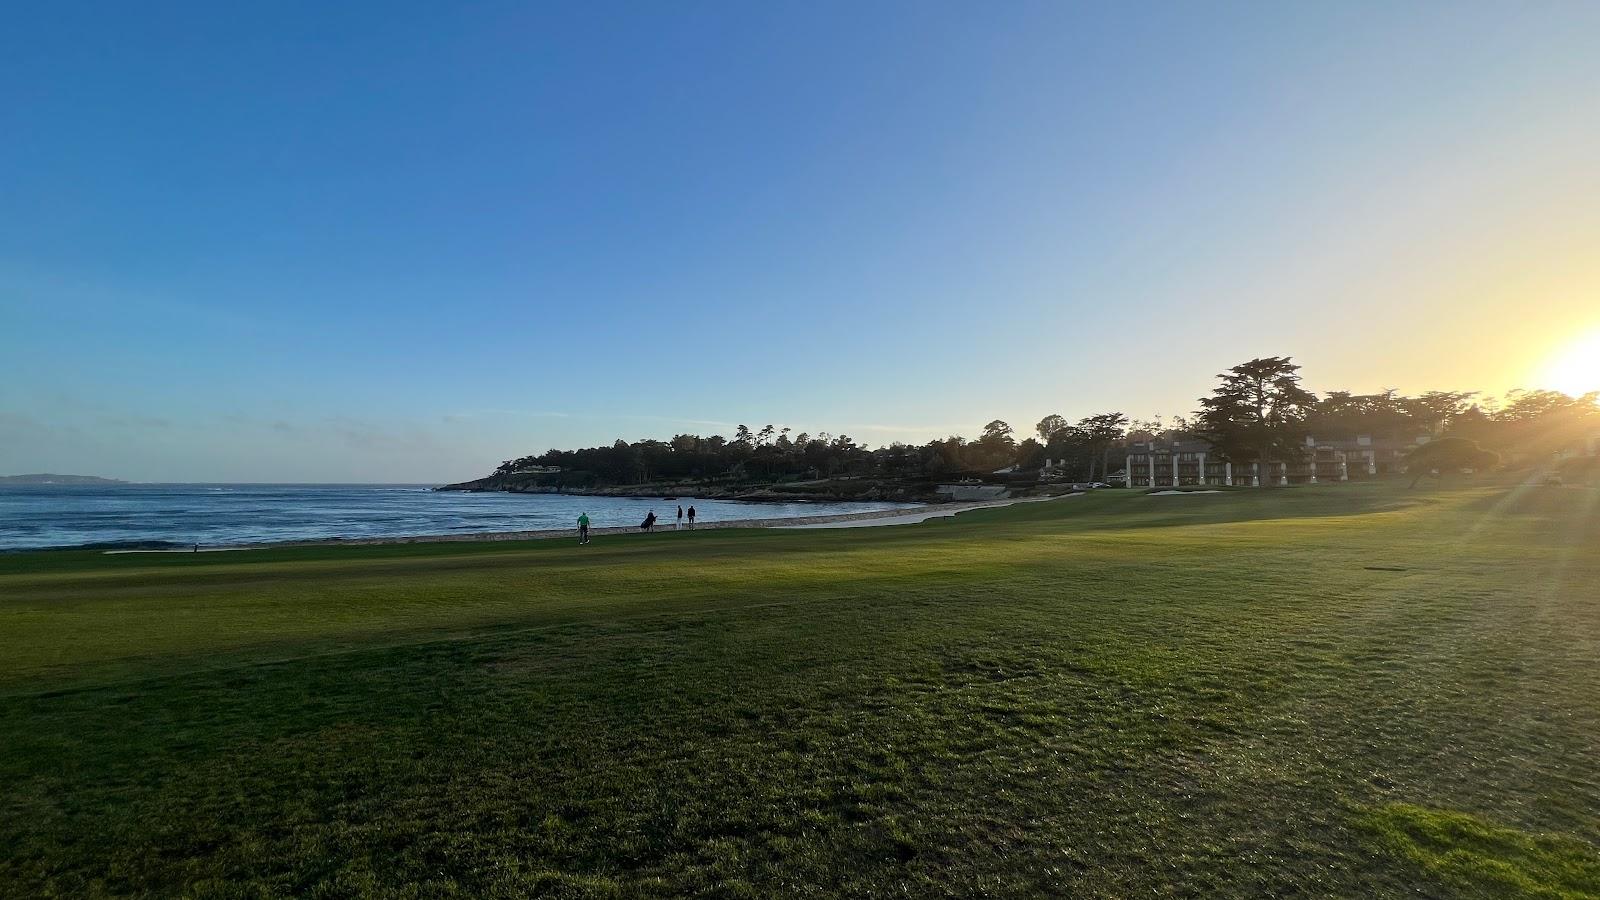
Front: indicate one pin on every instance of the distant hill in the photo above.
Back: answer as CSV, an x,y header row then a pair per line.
x,y
46,478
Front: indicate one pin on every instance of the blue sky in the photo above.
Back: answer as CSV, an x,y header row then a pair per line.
x,y
402,242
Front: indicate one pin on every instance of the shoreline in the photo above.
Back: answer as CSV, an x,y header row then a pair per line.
x,y
821,491
873,518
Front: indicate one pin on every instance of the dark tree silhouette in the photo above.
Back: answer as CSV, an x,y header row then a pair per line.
x,y
1099,433
1258,413
1447,456
1049,426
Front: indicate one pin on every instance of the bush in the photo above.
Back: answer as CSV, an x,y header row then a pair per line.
x,y
1447,455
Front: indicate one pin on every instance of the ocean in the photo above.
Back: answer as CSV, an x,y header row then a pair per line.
x,y
180,515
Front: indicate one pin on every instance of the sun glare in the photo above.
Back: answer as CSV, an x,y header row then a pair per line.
x,y
1576,369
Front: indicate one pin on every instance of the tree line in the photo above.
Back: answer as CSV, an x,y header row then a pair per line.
x,y
771,453
1258,411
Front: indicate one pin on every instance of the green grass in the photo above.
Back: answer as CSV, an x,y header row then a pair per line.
x,y
1475,854
1339,691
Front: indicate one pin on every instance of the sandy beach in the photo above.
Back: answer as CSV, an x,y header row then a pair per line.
x,y
875,518
912,517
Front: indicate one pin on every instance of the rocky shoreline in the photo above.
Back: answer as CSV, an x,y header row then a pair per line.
x,y
812,492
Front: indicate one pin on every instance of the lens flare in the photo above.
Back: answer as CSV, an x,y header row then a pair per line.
x,y
1576,369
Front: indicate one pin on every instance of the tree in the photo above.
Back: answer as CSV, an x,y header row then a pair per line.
x,y
996,431
1099,433
1342,415
1144,429
944,457
1528,406
1437,410
1447,455
1072,446
994,449
1048,426
1258,413
840,453
1536,425
1030,454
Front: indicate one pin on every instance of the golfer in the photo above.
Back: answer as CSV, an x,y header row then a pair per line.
x,y
583,528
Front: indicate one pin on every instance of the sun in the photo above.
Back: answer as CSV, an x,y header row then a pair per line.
x,y
1576,369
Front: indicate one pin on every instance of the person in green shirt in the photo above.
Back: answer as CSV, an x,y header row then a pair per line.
x,y
583,528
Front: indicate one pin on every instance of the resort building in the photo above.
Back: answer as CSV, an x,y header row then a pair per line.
x,y
1188,461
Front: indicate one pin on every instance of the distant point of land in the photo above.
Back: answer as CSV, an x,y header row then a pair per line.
x,y
46,478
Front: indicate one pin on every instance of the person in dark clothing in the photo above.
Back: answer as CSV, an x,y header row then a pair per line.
x,y
680,516
649,523
691,517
